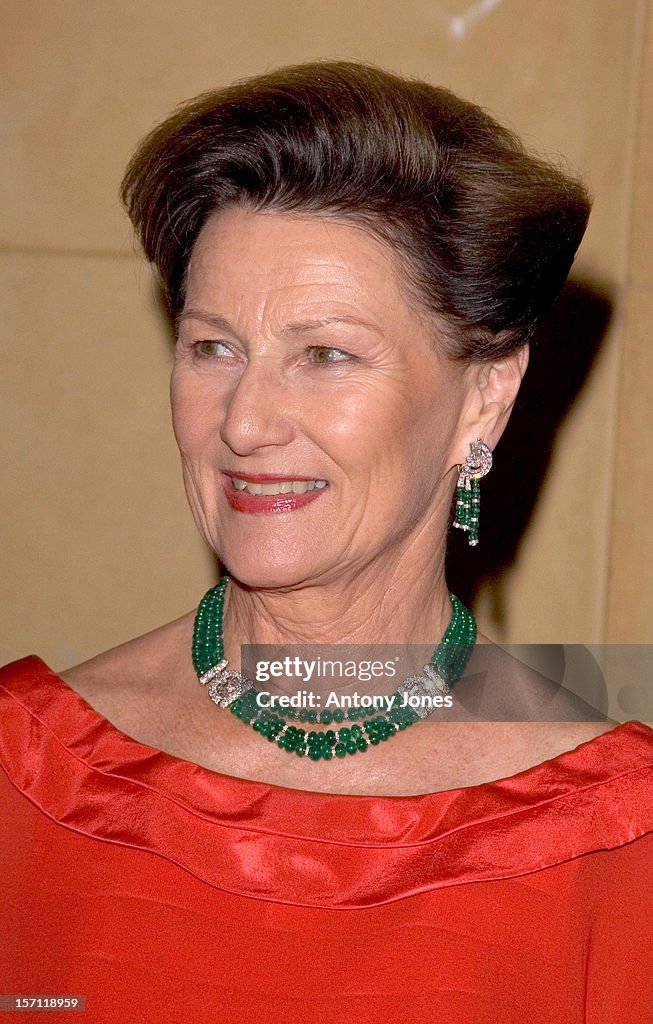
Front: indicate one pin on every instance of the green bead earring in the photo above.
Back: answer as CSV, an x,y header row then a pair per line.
x,y
468,499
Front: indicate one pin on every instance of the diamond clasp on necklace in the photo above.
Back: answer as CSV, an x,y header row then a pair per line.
x,y
225,686
422,686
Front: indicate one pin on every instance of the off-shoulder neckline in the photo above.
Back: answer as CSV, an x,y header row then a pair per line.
x,y
624,728
126,738
354,850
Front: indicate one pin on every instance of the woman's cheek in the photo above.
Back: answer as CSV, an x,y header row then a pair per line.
x,y
195,414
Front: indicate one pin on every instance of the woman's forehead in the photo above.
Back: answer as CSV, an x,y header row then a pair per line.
x,y
287,242
286,259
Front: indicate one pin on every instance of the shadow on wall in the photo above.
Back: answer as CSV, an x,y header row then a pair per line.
x,y
562,354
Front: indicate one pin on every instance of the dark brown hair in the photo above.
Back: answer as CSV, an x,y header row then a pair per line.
x,y
484,233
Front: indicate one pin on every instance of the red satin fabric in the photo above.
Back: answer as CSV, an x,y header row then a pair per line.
x,y
163,891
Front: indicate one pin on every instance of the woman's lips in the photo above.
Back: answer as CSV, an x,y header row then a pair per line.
x,y
243,501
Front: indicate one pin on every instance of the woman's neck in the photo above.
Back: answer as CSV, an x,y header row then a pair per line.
x,y
403,602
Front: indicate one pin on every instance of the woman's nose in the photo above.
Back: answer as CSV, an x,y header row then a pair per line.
x,y
256,411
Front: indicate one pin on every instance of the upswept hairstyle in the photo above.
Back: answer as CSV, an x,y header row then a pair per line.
x,y
484,234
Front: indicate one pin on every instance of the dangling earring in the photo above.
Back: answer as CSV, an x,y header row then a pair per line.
x,y
468,502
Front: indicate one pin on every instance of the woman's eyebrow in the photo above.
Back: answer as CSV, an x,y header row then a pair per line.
x,y
221,323
299,326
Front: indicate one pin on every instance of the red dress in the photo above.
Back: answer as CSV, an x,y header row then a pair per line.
x,y
165,892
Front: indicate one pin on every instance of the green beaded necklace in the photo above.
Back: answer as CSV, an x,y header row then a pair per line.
x,y
229,689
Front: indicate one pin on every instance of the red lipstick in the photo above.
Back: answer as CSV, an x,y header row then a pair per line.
x,y
242,501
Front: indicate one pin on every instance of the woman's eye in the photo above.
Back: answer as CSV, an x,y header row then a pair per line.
x,y
322,355
211,348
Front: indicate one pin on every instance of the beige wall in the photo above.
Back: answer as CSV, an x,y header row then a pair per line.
x,y
100,546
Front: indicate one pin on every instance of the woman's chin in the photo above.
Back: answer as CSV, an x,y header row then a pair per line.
x,y
261,573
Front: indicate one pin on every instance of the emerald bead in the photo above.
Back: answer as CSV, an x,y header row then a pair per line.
x,y
340,750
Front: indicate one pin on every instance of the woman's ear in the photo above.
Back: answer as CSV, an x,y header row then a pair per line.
x,y
491,393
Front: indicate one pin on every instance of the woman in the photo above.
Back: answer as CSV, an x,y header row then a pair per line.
x,y
354,263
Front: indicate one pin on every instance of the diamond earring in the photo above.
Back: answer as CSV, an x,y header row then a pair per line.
x,y
468,503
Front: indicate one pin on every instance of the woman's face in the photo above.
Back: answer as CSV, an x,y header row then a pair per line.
x,y
302,371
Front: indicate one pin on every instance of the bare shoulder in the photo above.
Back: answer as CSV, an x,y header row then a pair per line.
x,y
535,742
461,754
513,734
532,685
527,744
137,684
134,661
